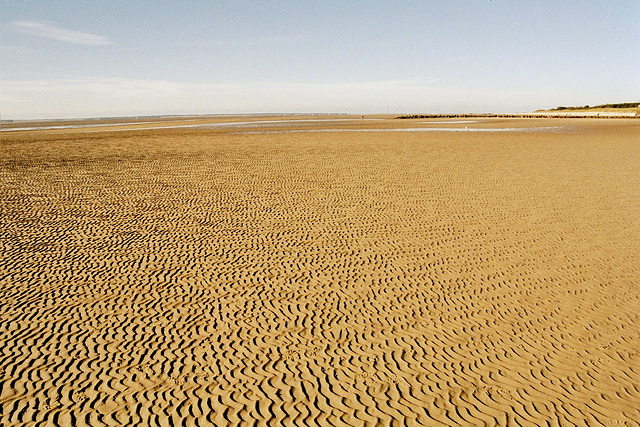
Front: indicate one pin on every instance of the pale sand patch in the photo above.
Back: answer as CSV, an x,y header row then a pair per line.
x,y
343,278
593,112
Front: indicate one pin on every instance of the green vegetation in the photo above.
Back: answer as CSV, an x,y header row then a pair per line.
x,y
586,107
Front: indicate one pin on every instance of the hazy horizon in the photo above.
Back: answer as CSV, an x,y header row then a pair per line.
x,y
118,59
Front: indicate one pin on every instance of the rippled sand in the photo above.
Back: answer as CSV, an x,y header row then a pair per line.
x,y
233,275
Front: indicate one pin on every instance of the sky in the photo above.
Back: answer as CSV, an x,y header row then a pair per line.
x,y
67,59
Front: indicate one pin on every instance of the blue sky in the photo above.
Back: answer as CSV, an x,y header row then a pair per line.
x,y
118,58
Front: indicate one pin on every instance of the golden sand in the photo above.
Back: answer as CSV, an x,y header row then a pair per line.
x,y
191,276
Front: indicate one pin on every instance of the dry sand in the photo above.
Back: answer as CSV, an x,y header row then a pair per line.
x,y
213,276
591,112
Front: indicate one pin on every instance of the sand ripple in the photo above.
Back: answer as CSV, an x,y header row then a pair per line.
x,y
210,278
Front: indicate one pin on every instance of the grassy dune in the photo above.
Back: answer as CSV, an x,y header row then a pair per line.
x,y
621,108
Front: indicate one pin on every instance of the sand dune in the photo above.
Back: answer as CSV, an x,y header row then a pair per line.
x,y
194,276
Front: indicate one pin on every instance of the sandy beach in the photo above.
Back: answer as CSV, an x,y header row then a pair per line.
x,y
321,271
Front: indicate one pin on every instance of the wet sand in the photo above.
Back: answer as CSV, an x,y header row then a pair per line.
x,y
339,272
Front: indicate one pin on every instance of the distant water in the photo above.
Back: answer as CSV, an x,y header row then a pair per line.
x,y
111,127
72,126
254,123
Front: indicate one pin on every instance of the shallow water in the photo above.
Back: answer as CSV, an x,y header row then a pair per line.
x,y
254,123
120,127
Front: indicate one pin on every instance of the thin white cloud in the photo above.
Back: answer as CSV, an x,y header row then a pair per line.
x,y
105,96
41,29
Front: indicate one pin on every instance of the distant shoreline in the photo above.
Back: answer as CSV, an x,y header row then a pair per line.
x,y
537,115
547,114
